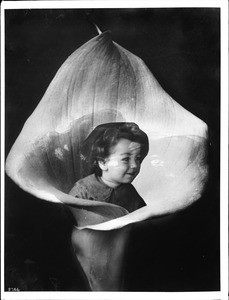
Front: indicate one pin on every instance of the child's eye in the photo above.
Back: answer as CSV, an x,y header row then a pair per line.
x,y
126,159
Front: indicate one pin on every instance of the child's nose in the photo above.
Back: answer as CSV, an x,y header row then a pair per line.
x,y
133,164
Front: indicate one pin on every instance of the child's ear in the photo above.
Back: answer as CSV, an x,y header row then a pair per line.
x,y
102,165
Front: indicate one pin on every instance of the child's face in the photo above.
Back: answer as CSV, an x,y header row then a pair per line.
x,y
123,164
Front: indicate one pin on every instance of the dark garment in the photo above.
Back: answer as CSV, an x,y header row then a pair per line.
x,y
92,188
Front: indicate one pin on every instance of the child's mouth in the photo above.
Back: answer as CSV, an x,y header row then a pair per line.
x,y
131,174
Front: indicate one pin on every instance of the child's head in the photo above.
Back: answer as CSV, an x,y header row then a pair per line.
x,y
117,151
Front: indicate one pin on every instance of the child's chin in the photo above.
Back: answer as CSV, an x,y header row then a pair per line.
x,y
128,180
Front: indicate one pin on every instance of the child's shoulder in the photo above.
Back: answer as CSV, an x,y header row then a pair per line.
x,y
82,188
90,179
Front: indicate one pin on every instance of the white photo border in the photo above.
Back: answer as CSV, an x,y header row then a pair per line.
x,y
223,5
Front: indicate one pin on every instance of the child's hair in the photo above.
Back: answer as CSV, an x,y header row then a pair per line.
x,y
97,147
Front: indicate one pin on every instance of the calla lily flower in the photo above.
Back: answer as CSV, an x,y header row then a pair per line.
x,y
102,82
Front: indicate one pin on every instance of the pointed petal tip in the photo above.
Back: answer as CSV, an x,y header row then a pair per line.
x,y
104,35
107,32
97,28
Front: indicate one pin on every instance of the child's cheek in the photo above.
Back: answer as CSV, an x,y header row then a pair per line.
x,y
113,163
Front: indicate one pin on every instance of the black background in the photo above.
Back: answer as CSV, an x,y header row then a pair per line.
x,y
181,46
